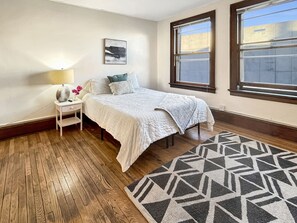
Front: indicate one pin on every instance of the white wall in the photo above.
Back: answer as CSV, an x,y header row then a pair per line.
x,y
39,35
261,109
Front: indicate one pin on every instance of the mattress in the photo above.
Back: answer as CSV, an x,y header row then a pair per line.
x,y
133,121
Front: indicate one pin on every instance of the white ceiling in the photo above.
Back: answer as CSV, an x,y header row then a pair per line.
x,y
155,10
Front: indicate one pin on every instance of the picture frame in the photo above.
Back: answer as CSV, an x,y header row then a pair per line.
x,y
115,51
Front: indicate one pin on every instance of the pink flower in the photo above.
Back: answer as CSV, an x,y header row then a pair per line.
x,y
77,90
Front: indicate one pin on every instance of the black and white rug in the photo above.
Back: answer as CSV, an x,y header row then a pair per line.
x,y
228,178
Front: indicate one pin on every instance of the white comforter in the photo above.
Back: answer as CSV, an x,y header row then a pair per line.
x,y
132,120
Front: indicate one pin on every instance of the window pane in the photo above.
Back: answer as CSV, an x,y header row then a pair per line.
x,y
195,37
263,50
271,66
269,44
193,68
192,54
268,23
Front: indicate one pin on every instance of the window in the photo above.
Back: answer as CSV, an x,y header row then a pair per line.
x,y
192,59
263,53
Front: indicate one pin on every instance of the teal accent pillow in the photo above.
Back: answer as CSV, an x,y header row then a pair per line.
x,y
117,78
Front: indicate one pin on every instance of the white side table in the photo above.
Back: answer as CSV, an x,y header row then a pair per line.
x,y
67,107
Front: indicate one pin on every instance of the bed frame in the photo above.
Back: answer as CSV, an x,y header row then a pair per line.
x,y
167,138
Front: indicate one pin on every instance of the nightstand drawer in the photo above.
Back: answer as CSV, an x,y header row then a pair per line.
x,y
70,108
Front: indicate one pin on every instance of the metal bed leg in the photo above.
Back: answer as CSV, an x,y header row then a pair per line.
x,y
167,143
198,130
102,134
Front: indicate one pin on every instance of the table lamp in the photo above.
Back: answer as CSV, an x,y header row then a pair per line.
x,y
62,77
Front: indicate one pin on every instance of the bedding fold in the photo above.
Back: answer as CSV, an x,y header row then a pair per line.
x,y
180,108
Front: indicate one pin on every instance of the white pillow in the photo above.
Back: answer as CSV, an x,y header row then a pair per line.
x,y
99,86
121,87
132,78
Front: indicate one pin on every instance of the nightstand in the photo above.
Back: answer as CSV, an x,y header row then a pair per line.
x,y
67,107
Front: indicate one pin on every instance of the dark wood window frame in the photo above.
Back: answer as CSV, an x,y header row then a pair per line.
x,y
271,92
194,86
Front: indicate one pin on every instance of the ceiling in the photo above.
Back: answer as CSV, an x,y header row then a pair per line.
x,y
155,10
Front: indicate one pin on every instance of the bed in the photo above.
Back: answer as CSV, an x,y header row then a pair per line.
x,y
133,121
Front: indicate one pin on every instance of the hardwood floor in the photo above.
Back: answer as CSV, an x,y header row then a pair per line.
x,y
76,178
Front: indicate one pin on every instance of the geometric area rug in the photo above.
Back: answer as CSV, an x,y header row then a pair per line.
x,y
228,178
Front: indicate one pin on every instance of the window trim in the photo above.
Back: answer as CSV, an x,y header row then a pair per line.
x,y
194,86
236,88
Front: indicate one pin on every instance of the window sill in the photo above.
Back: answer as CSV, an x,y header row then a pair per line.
x,y
193,87
265,96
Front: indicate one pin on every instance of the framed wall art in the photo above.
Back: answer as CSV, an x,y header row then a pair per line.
x,y
115,51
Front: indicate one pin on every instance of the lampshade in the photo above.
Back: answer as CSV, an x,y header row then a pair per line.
x,y
61,76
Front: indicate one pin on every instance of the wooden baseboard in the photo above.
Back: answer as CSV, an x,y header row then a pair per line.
x,y
26,128
41,125
270,128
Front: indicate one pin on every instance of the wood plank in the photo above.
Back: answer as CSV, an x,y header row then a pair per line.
x,y
85,180
23,147
107,179
31,217
69,175
14,187
60,211
39,209
55,203
56,213
5,211
101,188
4,147
76,178
48,212
57,188
72,208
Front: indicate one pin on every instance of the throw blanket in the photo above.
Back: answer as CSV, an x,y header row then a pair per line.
x,y
180,107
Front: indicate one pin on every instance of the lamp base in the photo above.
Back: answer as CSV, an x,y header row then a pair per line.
x,y
63,93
